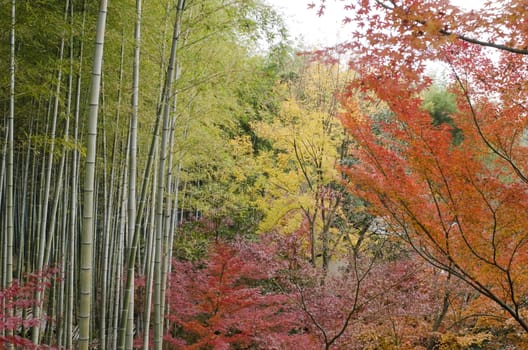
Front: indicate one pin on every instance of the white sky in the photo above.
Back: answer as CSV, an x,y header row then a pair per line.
x,y
312,31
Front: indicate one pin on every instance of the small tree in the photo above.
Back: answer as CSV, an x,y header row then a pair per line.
x,y
228,301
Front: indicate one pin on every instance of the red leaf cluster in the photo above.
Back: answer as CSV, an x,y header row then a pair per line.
x,y
21,296
229,301
265,295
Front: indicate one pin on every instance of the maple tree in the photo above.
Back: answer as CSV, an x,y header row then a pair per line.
x,y
225,302
461,207
368,301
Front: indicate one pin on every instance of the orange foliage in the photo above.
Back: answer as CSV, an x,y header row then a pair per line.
x,y
463,208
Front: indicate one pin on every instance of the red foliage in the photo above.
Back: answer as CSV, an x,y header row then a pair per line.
x,y
17,297
229,301
265,295
364,303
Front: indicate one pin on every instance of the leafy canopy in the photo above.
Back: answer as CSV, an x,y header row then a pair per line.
x,y
461,208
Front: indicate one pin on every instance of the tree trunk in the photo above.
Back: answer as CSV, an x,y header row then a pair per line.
x,y
45,233
72,237
88,200
158,312
10,162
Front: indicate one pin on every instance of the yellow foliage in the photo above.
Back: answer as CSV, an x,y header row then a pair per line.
x,y
451,341
299,170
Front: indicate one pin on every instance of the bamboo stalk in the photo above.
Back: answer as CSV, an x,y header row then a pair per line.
x,y
88,201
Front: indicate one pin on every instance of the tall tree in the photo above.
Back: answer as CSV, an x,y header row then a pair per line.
x,y
7,274
10,158
161,183
301,165
128,309
86,240
45,234
72,225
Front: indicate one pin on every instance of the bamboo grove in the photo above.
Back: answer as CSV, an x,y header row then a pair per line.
x,y
115,120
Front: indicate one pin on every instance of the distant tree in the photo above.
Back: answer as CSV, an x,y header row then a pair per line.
x,y
301,182
441,105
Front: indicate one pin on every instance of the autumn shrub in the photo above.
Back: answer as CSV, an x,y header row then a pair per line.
x,y
377,307
374,300
222,303
16,300
267,295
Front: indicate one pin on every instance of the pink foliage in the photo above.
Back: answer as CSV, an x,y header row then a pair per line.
x,y
365,303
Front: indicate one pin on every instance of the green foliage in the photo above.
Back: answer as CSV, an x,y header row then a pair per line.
x,y
223,90
191,243
441,104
